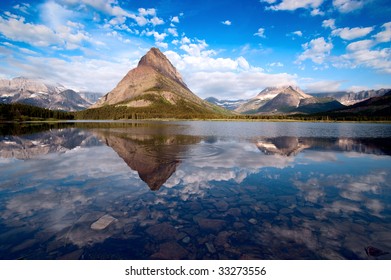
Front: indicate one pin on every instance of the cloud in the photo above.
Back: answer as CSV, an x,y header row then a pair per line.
x,y
78,73
298,33
260,33
156,21
231,85
147,12
347,6
329,23
20,49
161,45
276,64
175,19
23,7
291,5
268,1
323,86
360,45
227,22
384,36
39,35
110,7
352,33
316,50
206,74
317,12
359,54
157,36
173,32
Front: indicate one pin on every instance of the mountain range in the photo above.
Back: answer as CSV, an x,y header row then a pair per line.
x,y
155,89
45,95
292,100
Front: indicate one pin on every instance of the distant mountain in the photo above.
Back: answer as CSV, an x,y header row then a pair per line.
x,y
287,99
290,100
91,97
155,89
226,104
254,104
349,98
41,94
375,106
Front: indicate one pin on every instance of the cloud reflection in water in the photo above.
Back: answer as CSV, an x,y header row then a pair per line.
x,y
257,197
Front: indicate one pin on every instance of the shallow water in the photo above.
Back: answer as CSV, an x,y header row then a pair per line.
x,y
195,190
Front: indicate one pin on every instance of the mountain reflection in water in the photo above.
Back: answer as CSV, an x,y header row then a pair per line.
x,y
74,192
154,157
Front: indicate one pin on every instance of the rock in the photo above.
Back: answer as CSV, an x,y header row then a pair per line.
x,y
238,225
374,252
214,225
285,211
195,206
210,247
186,240
75,255
170,251
235,212
103,222
221,206
240,237
222,239
163,231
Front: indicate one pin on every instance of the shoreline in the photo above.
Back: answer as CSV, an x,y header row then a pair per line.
x,y
182,120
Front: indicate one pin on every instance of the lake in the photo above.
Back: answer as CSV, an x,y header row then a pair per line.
x,y
195,190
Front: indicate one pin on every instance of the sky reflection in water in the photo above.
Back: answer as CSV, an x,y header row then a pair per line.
x,y
196,190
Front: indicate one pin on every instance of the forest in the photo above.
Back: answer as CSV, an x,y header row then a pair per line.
x,y
23,112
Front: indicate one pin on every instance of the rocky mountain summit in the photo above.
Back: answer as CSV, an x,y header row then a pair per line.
x,y
41,94
155,85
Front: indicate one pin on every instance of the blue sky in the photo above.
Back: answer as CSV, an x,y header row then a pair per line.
x,y
227,49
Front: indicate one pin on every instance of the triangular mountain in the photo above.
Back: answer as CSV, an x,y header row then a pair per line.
x,y
156,88
254,104
286,99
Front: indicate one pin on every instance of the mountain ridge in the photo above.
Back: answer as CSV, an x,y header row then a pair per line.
x,y
42,94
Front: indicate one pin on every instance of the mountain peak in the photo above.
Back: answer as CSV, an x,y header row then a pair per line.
x,y
155,59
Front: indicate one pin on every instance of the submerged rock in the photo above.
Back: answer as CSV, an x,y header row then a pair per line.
x,y
374,252
221,206
211,224
170,251
210,247
103,222
163,231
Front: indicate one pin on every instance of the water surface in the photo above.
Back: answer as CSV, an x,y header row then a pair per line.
x,y
195,190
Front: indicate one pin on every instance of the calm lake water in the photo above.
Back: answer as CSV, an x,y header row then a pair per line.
x,y
195,190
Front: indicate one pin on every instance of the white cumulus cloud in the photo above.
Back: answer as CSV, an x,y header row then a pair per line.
x,y
385,35
347,6
352,33
316,50
291,5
